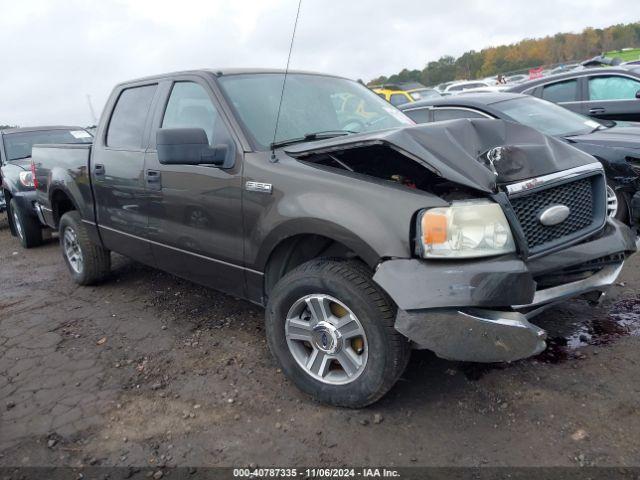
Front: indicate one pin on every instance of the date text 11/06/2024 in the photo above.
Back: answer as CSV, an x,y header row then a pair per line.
x,y
315,473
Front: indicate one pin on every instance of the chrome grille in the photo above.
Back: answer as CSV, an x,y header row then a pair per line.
x,y
583,197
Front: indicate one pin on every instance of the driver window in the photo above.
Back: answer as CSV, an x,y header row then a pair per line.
x,y
189,106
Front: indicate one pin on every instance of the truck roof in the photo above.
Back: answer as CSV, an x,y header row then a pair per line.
x,y
41,128
219,72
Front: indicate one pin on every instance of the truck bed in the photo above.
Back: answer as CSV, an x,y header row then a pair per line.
x,y
63,169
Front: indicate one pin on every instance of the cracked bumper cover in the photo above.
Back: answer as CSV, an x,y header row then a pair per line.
x,y
479,310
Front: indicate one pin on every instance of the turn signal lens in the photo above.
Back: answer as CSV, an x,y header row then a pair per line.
x,y
466,229
434,228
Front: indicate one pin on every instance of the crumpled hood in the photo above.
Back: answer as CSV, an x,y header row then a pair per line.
x,y
456,150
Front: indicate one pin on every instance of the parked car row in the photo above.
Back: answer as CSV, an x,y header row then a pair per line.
x,y
362,234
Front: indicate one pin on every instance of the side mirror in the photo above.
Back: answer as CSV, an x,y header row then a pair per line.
x,y
188,146
638,94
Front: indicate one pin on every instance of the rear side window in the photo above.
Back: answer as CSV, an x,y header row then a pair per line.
x,y
126,127
613,88
442,114
561,92
418,115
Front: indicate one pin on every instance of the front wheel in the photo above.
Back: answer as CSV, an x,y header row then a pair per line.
x,y
88,263
331,329
27,228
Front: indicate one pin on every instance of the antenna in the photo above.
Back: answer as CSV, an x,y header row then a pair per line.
x,y
284,82
91,110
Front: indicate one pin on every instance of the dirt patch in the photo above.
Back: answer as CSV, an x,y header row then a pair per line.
x,y
184,377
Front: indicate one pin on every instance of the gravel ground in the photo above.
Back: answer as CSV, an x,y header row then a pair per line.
x,y
151,370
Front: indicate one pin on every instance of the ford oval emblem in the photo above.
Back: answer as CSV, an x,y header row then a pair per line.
x,y
554,215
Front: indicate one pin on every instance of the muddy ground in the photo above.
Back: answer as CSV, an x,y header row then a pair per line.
x,y
151,370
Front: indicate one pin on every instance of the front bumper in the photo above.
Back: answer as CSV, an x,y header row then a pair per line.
x,y
480,310
26,201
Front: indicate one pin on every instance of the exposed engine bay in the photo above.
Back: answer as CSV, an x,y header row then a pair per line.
x,y
385,163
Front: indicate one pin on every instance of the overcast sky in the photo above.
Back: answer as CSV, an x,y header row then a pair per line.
x,y
56,52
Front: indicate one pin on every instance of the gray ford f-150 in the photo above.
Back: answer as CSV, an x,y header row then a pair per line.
x,y
362,234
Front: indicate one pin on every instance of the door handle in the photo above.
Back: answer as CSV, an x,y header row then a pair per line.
x,y
152,176
596,110
98,169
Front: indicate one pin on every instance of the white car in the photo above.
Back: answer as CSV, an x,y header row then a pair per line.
x,y
466,85
492,88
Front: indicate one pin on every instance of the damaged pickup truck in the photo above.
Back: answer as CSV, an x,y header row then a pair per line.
x,y
362,234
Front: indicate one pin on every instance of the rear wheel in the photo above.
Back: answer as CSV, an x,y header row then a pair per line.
x,y
27,228
88,263
331,329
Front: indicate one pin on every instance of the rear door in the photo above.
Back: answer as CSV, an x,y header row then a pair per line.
x,y
117,165
195,215
613,97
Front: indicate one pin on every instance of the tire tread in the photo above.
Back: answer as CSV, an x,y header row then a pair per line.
x,y
97,260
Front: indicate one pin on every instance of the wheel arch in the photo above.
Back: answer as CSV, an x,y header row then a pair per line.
x,y
61,203
282,253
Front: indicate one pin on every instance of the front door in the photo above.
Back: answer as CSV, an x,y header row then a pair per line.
x,y
117,166
613,97
195,213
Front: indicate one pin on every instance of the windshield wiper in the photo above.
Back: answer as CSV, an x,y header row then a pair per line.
x,y
312,136
19,158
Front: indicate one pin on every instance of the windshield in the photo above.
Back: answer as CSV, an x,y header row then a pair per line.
x,y
311,104
18,145
546,117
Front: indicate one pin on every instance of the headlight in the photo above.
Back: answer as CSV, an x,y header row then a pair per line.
x,y
466,229
26,179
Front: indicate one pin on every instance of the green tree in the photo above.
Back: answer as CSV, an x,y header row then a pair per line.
x,y
528,53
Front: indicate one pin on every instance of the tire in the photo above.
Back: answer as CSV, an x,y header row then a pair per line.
x,y
346,286
88,263
27,228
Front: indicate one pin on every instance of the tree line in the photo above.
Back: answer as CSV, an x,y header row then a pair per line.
x,y
528,53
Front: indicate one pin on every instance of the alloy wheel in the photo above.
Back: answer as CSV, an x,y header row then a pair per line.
x,y
17,224
612,202
326,339
72,250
